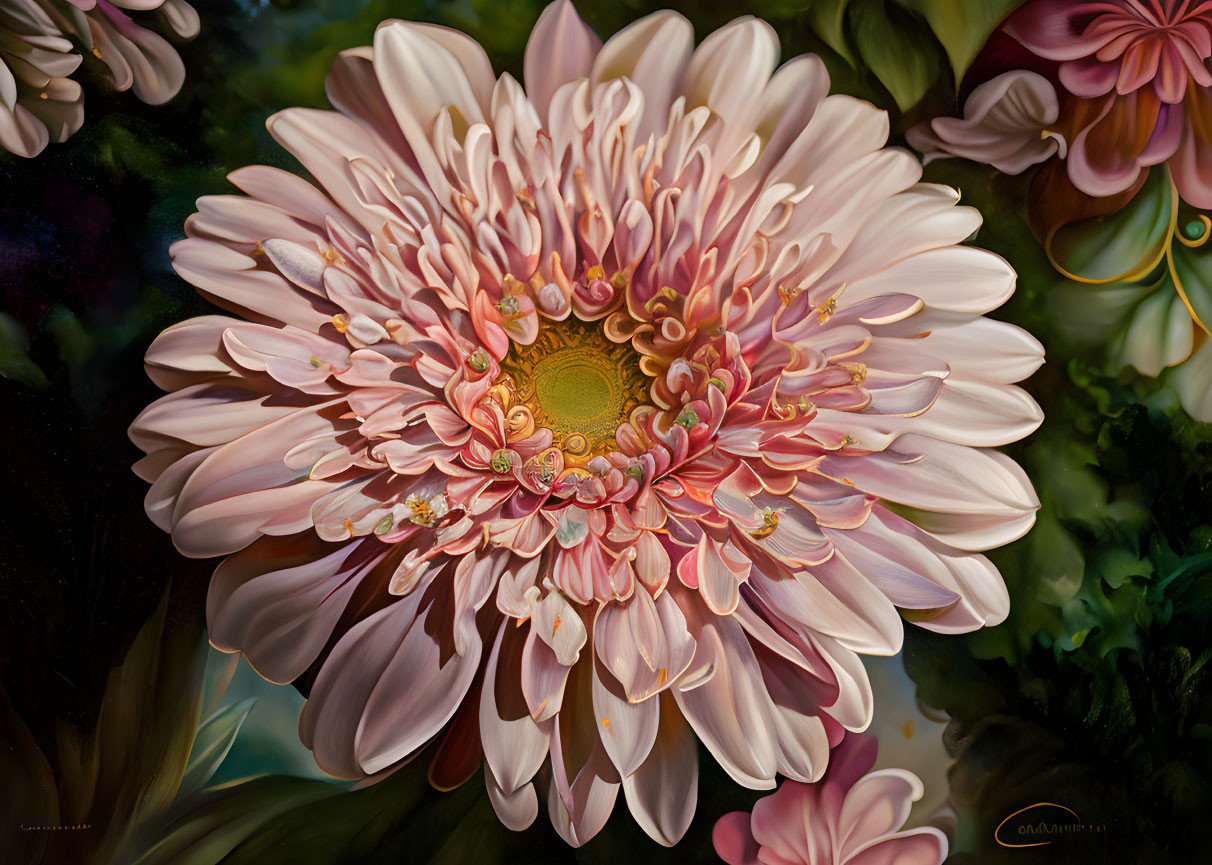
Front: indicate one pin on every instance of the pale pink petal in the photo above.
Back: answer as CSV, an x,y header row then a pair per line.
x,y
418,691
731,711
329,721
277,601
653,52
627,729
21,132
514,745
644,643
663,790
877,804
561,49
1002,126
516,810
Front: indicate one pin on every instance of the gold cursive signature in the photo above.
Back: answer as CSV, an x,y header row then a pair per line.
x,y
74,827
1044,827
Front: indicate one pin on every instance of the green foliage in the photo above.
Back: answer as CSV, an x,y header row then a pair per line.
x,y
1127,244
1094,693
962,26
214,739
890,41
15,364
909,44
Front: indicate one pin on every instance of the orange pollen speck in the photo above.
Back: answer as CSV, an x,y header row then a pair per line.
x,y
556,626
605,722
907,730
662,677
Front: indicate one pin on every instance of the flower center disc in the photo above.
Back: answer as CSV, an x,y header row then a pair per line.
x,y
578,384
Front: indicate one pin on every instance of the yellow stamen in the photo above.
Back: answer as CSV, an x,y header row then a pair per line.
x,y
826,310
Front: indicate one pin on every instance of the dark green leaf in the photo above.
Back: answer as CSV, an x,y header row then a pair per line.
x,y
897,47
827,18
962,26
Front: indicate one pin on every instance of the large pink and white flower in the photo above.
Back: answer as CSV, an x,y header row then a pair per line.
x,y
39,102
572,423
852,816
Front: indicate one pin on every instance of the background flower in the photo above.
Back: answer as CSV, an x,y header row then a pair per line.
x,y
1124,86
640,368
1116,91
1007,123
1140,73
849,817
39,41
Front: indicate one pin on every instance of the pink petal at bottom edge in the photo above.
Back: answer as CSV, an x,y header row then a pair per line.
x,y
733,839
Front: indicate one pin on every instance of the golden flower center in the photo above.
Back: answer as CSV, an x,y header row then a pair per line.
x,y
578,384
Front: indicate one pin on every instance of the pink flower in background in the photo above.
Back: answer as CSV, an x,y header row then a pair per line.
x,y
561,424
1144,65
39,102
1132,79
849,817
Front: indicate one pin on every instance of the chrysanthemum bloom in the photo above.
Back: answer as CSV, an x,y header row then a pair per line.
x,y
39,102
563,420
1133,90
849,817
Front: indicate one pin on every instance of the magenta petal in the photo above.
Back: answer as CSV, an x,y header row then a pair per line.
x,y
733,839
1089,77
1050,28
852,759
1192,165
